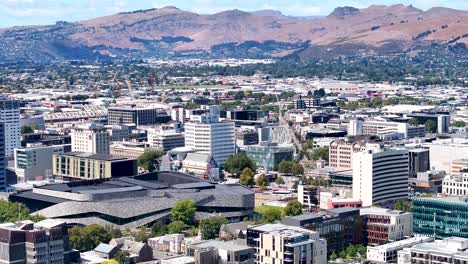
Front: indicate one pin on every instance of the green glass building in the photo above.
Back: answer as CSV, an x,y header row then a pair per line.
x,y
269,156
440,217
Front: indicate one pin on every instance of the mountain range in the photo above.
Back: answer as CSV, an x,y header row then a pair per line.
x,y
170,32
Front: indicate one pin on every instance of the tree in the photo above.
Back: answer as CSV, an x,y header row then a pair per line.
x,y
279,181
148,159
247,177
459,123
26,130
362,251
262,181
89,237
297,169
159,229
343,254
210,227
413,121
320,153
12,212
121,256
309,144
430,126
285,166
293,208
333,256
403,205
184,210
319,93
142,235
176,227
351,251
271,214
235,164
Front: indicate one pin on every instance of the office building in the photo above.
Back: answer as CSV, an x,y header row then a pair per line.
x,y
306,102
340,178
418,161
384,129
165,138
269,156
133,202
91,138
89,166
341,152
440,217
246,137
246,117
215,252
308,195
457,166
119,132
43,242
388,253
139,116
339,227
279,243
3,160
380,175
274,134
211,136
443,151
131,150
10,116
452,250
35,161
355,127
455,185
442,121
383,225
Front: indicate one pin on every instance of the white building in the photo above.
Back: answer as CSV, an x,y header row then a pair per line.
x,y
165,139
384,129
383,225
447,251
380,175
388,253
34,161
455,185
91,138
211,136
443,151
10,115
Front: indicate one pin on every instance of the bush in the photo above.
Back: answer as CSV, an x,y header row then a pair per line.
x,y
271,214
293,208
235,164
176,227
210,227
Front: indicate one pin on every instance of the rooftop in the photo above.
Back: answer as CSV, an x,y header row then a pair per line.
x,y
104,157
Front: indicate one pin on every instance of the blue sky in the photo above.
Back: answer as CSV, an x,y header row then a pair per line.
x,y
32,12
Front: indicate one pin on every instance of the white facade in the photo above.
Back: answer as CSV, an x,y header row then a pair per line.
x,y
355,127
397,224
447,251
443,151
380,175
10,115
215,138
93,138
384,128
31,162
387,253
455,185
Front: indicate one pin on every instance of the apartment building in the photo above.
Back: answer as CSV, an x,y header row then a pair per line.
x,y
380,175
278,243
383,225
35,161
88,166
91,138
341,152
211,136
45,242
452,250
10,117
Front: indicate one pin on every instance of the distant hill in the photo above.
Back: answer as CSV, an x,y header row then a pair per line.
x,y
170,32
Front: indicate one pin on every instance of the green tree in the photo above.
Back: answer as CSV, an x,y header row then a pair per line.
x,y
402,205
247,177
262,181
142,235
308,145
12,212
333,256
149,158
319,93
343,254
279,181
459,123
176,227
293,208
121,256
430,126
362,251
89,237
159,229
210,227
26,130
320,153
184,210
235,164
351,251
36,218
271,214
297,169
192,232
413,121
285,166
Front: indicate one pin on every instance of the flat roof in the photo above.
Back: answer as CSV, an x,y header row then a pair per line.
x,y
105,157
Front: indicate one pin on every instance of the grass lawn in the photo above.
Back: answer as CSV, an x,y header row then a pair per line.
x,y
262,208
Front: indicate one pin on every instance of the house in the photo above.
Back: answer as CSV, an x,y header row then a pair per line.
x,y
138,252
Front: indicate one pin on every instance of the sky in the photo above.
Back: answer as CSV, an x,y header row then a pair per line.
x,y
35,12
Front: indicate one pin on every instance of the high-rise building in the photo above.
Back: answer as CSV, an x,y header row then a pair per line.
x,y
340,153
10,116
380,175
2,158
278,243
211,136
418,161
440,217
34,161
92,138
